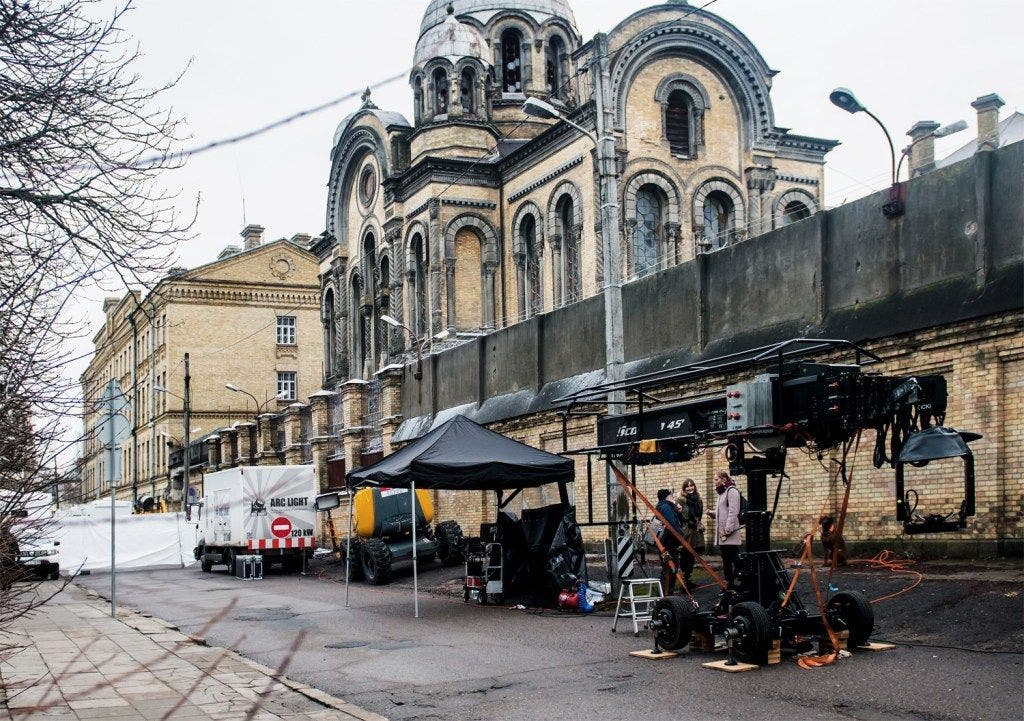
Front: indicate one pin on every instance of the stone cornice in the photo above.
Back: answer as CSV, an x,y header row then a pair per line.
x,y
251,295
522,192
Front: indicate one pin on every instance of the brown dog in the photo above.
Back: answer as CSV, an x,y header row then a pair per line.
x,y
831,541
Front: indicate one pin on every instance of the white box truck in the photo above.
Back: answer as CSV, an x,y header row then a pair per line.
x,y
264,510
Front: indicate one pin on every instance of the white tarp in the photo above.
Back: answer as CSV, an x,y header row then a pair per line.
x,y
143,541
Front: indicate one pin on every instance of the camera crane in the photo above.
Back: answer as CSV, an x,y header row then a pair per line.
x,y
790,400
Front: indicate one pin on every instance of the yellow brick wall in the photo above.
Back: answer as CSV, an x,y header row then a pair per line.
x,y
468,283
983,363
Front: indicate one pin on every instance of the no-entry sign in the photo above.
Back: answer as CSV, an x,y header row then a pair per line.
x,y
281,527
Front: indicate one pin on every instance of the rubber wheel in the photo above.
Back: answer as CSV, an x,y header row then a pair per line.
x,y
450,543
229,559
756,629
676,617
855,614
356,566
54,573
427,558
207,566
376,561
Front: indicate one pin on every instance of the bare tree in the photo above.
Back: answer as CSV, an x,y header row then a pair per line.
x,y
83,146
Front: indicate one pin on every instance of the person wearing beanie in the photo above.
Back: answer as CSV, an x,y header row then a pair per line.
x,y
667,508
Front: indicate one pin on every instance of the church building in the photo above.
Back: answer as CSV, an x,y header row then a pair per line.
x,y
473,216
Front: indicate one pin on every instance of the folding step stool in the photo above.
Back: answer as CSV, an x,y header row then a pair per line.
x,y
640,594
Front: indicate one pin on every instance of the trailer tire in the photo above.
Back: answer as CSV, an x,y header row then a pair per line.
x,y
675,615
376,561
229,559
753,644
856,614
54,572
450,543
207,566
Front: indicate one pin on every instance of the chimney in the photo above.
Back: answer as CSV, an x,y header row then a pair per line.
x,y
922,147
109,303
988,120
301,239
253,235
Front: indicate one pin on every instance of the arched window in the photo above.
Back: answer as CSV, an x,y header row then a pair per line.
x,y
330,334
719,220
648,231
441,89
511,61
795,210
555,69
571,276
678,117
418,99
359,329
382,306
467,91
419,287
531,266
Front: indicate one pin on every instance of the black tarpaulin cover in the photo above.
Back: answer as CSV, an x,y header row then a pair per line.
x,y
461,455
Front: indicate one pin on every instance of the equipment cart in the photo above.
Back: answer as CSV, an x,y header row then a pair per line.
x,y
485,582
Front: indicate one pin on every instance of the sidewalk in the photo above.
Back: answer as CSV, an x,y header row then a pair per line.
x,y
71,660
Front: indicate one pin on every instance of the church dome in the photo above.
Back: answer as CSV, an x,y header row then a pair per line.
x,y
484,10
450,39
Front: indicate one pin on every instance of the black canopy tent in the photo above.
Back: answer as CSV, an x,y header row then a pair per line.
x,y
460,455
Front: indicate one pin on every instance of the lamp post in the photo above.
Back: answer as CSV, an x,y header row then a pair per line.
x,y
604,143
395,323
844,99
186,408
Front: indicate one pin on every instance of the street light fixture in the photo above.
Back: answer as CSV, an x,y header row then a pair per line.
x,y
419,343
845,99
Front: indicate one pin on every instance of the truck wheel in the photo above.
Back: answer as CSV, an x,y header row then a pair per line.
x,y
376,561
54,572
755,628
207,566
229,559
855,614
672,619
450,543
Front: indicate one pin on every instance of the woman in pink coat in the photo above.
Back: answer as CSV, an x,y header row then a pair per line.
x,y
727,523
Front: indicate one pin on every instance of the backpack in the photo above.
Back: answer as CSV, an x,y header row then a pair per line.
x,y
744,507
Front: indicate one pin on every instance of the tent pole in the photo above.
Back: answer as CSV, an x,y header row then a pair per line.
x,y
415,578
348,547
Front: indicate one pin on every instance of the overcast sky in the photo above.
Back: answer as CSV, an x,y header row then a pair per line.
x,y
253,61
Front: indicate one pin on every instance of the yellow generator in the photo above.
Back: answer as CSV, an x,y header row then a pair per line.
x,y
383,533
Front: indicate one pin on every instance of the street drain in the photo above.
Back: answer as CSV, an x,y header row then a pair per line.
x,y
346,644
282,613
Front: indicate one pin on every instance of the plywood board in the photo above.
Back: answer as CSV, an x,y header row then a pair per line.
x,y
649,654
722,666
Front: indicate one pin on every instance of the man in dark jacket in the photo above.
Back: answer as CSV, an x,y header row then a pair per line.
x,y
667,508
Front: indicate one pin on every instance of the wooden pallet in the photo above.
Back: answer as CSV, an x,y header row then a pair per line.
x,y
874,646
723,666
775,652
653,656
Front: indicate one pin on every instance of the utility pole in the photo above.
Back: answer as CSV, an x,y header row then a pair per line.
x,y
618,508
134,451
187,413
112,430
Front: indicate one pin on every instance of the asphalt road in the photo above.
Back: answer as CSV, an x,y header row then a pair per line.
x,y
463,661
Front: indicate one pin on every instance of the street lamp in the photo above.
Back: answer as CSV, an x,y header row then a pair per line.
x,y
844,99
186,413
165,434
419,343
954,127
260,407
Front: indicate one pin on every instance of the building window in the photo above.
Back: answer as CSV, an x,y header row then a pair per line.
x,y
330,321
286,330
367,185
555,69
719,220
419,287
467,84
286,385
531,269
678,124
647,232
795,210
571,277
511,62
440,92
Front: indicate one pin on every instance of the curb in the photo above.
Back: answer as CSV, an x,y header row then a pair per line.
x,y
314,694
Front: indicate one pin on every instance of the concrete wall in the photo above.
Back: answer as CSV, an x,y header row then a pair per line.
x,y
848,273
